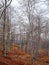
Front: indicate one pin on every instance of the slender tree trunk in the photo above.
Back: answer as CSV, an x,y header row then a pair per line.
x,y
4,32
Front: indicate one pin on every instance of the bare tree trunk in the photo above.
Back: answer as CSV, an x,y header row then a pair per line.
x,y
4,32
46,35
5,27
8,32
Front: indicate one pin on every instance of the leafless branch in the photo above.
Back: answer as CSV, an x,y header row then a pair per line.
x,y
4,9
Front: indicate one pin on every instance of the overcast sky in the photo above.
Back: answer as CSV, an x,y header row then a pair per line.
x,y
42,7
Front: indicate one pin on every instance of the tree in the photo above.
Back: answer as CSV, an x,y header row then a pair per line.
x,y
4,12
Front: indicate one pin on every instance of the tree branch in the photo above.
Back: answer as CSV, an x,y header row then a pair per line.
x,y
4,9
2,5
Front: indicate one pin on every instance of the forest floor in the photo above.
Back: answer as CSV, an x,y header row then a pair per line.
x,y
18,57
